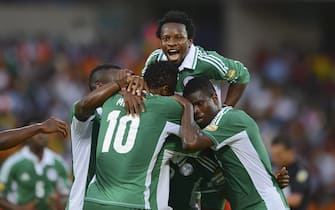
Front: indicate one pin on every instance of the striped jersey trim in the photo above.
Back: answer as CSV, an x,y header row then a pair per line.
x,y
216,62
218,117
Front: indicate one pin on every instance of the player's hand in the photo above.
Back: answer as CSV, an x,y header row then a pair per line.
x,y
137,85
53,125
133,103
282,177
123,77
183,101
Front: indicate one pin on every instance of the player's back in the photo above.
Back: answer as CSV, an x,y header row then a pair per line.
x,y
128,172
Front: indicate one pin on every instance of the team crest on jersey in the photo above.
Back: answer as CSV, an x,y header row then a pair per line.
x,y
231,74
211,127
25,177
52,174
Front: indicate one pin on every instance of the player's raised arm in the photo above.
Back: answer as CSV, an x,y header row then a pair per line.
x,y
87,105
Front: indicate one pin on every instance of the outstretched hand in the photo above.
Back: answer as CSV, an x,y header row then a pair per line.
x,y
55,125
282,177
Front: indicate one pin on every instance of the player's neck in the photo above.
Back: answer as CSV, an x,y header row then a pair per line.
x,y
38,152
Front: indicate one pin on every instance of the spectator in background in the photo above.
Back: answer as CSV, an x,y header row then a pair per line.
x,y
34,178
299,189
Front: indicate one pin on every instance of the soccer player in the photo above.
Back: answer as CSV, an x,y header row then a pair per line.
x,y
84,132
235,138
12,137
298,192
176,33
34,178
132,169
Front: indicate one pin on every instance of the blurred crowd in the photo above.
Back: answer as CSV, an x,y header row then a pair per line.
x,y
293,93
290,91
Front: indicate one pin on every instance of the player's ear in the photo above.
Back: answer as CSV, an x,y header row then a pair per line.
x,y
166,91
190,42
98,84
215,98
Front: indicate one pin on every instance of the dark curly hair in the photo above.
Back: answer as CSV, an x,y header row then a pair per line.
x,y
161,73
199,84
97,73
174,16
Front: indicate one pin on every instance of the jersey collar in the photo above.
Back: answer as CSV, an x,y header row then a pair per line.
x,y
190,61
46,159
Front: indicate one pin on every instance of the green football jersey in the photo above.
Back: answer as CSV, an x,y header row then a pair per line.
x,y
25,179
84,135
209,64
249,182
132,167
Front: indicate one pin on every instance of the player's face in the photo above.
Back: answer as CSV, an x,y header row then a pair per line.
x,y
205,107
174,42
279,154
39,141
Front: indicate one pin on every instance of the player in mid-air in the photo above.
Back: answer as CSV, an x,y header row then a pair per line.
x,y
176,32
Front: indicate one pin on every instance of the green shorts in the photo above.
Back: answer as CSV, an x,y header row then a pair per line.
x,y
96,206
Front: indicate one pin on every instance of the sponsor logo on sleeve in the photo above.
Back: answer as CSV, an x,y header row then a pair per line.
x,y
211,127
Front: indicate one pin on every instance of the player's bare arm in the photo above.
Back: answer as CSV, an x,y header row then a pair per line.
x,y
12,137
192,137
234,93
86,106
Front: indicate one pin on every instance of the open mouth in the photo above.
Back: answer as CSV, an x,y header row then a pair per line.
x,y
173,55
198,119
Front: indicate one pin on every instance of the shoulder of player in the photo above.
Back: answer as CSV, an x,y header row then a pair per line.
x,y
13,161
211,58
163,100
154,56
229,114
215,59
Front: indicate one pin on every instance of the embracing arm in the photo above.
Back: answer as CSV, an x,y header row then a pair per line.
x,y
87,105
192,137
12,137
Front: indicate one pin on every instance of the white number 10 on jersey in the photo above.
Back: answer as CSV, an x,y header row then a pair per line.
x,y
120,132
